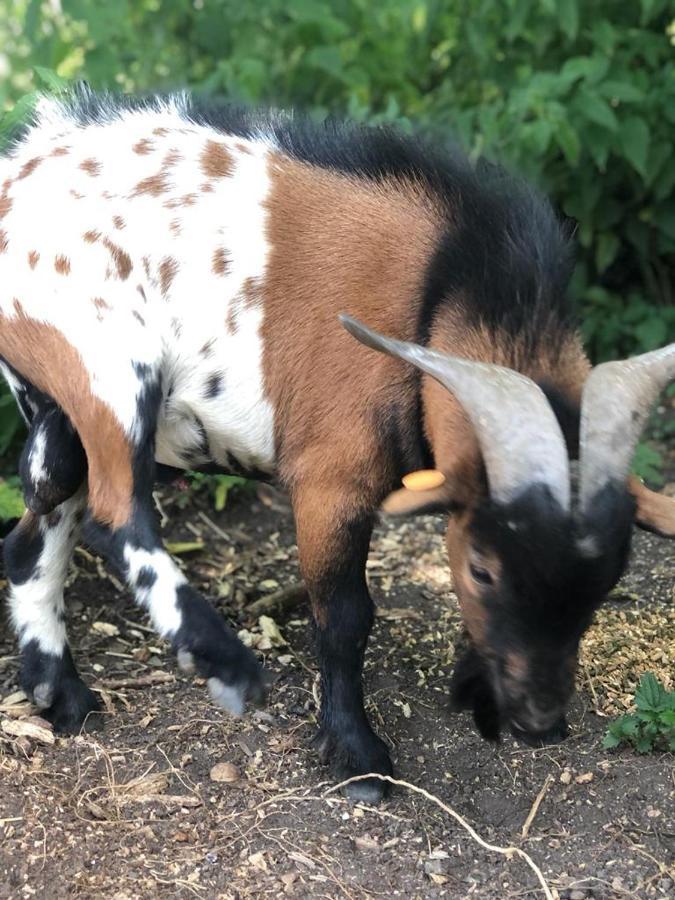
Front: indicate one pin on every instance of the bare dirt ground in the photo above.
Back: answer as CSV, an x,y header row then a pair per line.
x,y
134,810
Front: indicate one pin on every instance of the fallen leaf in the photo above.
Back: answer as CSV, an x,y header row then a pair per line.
x,y
34,728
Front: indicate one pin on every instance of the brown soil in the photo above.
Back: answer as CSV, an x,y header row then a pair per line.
x,y
132,811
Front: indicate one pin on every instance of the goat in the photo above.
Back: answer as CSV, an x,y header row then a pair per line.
x,y
170,282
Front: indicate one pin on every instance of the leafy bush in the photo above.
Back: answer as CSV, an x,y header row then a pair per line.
x,y
578,96
652,727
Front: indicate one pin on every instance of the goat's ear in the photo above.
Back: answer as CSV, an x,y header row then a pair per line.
x,y
423,493
654,512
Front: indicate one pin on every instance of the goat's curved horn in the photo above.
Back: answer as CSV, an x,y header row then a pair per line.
x,y
519,435
616,402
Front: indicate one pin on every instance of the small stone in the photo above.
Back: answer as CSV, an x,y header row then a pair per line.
x,y
578,895
224,772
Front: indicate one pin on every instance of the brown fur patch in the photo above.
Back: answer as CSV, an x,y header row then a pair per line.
x,y
42,355
206,188
160,132
76,194
242,148
62,264
168,268
91,167
91,236
29,167
120,257
143,147
146,266
216,160
5,206
4,241
100,303
172,157
221,261
207,349
33,258
119,222
153,185
60,151
175,226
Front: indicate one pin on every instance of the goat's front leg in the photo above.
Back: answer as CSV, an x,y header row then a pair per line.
x,y
36,555
333,540
131,542
202,641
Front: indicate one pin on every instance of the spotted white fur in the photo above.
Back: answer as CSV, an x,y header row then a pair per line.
x,y
86,182
36,607
160,597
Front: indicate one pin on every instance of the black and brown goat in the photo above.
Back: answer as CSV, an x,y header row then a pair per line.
x,y
170,284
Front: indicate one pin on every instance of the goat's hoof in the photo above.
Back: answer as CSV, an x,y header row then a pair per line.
x,y
359,753
72,706
236,697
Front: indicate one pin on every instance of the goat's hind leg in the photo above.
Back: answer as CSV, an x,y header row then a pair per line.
x,y
36,554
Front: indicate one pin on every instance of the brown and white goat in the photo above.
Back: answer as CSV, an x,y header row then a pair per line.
x,y
170,284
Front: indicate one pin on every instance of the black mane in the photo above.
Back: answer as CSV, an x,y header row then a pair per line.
x,y
504,254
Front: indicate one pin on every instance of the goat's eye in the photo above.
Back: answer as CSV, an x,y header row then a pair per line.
x,y
479,574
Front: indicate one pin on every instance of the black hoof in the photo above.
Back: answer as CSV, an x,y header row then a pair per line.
x,y
359,753
75,708
554,735
57,690
204,644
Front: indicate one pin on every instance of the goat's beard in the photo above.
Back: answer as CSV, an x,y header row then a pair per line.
x,y
471,689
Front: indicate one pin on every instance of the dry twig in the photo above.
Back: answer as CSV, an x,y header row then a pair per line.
x,y
287,597
548,781
504,851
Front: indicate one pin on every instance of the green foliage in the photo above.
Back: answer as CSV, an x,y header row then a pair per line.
x,y
652,726
11,499
217,487
578,96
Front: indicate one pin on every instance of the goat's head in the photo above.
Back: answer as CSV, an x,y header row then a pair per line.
x,y
530,561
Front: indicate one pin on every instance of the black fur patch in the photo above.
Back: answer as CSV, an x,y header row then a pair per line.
x,y
22,550
214,386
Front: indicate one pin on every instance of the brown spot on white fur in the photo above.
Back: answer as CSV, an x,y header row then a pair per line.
x,y
5,205
76,194
120,257
143,147
62,264
221,261
206,188
168,268
60,151
100,303
154,185
160,132
175,226
119,222
33,258
242,148
4,241
91,167
34,348
29,167
216,160
91,236
177,202
172,157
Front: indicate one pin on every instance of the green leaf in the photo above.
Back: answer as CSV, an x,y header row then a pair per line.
x,y
652,333
623,91
650,694
50,80
568,13
595,109
610,741
605,252
634,137
648,464
568,141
